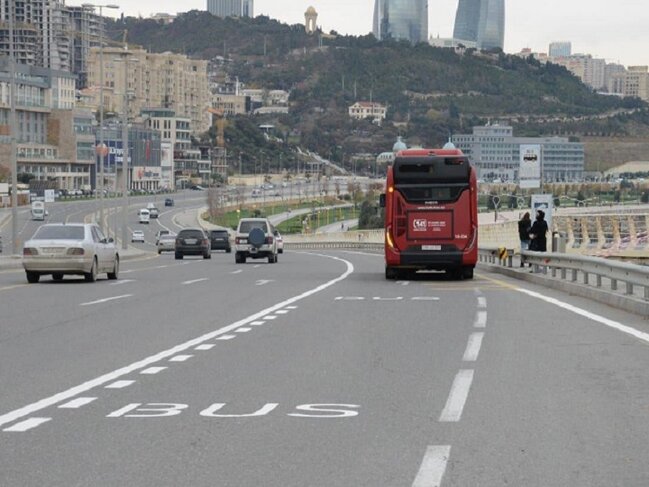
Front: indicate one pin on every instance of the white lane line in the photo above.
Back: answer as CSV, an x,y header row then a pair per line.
x,y
27,425
123,281
46,402
350,298
120,384
226,337
263,282
161,267
152,370
105,300
457,398
269,317
187,283
282,311
77,403
482,302
425,298
640,335
207,346
403,283
433,466
480,319
180,358
473,347
257,323
242,330
236,272
258,265
377,298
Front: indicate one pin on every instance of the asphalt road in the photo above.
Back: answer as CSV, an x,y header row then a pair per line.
x,y
316,371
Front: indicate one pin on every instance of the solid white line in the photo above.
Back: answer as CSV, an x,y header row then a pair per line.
x,y
226,337
77,403
640,335
180,358
152,370
257,323
105,300
433,466
457,398
186,283
120,384
242,330
482,302
480,319
473,347
146,362
27,424
207,346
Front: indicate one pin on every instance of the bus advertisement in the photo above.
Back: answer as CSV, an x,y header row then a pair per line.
x,y
431,214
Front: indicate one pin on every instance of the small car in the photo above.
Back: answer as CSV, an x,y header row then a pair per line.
x,y
254,239
192,241
137,236
160,233
166,243
220,240
169,202
59,249
153,212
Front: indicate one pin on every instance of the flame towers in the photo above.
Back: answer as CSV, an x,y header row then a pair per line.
x,y
482,22
401,19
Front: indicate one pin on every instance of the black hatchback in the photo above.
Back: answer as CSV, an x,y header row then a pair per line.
x,y
220,240
192,241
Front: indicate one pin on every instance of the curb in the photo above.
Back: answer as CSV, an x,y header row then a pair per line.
x,y
614,300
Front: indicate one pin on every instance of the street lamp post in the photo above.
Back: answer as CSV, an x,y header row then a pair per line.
x,y
102,151
14,138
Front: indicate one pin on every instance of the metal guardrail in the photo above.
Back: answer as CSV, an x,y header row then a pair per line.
x,y
630,275
333,245
496,255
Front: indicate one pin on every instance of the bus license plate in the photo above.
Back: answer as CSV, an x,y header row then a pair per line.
x,y
431,247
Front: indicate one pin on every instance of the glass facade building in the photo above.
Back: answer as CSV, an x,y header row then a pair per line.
x,y
401,19
231,8
482,22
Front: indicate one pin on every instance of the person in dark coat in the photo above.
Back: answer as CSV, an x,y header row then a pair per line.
x,y
524,225
538,233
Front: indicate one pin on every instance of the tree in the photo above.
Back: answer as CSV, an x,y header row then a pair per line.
x,y
25,177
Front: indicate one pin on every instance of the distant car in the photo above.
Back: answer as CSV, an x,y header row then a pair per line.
x,y
166,243
160,233
220,240
280,242
153,211
192,241
254,239
137,236
196,187
58,249
144,215
169,202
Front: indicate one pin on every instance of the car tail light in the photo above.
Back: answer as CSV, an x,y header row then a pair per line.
x,y
240,240
76,251
30,251
269,240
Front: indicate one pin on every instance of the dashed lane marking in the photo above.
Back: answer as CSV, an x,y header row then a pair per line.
x,y
425,298
480,319
452,412
206,346
77,403
123,281
473,347
269,318
120,384
226,337
27,425
236,272
106,300
242,330
257,323
282,312
482,302
433,466
180,358
153,370
194,281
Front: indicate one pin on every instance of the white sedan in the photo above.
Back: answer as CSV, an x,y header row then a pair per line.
x,y
58,249
137,236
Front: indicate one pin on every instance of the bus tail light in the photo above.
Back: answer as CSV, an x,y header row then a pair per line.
x,y
388,237
473,237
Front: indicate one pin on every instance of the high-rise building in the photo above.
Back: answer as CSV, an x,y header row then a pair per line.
x,y
482,22
401,19
560,49
231,8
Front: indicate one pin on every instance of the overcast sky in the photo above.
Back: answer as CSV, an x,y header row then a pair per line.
x,y
617,30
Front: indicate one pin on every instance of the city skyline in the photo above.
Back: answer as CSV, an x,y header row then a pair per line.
x,y
604,33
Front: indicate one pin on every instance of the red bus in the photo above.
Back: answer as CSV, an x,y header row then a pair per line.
x,y
431,213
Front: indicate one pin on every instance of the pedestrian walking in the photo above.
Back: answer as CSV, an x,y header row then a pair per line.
x,y
524,226
538,233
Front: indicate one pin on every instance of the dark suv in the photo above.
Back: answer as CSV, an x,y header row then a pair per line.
x,y
192,241
220,240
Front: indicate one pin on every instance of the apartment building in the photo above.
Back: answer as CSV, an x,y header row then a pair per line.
x,y
366,109
632,82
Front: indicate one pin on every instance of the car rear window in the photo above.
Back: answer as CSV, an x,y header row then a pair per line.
x,y
219,233
247,227
191,234
167,237
67,232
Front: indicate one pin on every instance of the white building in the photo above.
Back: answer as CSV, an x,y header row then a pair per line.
x,y
366,109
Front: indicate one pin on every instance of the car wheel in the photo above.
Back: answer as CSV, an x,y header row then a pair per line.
x,y
467,272
113,275
390,273
57,277
178,256
280,251
159,252
33,277
227,251
92,275
207,255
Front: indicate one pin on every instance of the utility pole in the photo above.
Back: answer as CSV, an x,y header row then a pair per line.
x,y
14,139
124,56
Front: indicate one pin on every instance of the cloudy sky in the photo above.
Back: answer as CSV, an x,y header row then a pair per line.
x,y
617,30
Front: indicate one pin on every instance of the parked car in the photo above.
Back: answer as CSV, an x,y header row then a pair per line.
x,y
254,239
192,241
166,243
169,202
137,236
280,242
220,240
59,249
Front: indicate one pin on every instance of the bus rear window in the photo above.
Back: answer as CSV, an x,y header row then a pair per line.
x,y
431,192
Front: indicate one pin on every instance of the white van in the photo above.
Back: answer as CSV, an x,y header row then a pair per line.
x,y
144,215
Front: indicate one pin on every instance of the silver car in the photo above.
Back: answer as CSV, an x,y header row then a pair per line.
x,y
166,243
78,249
